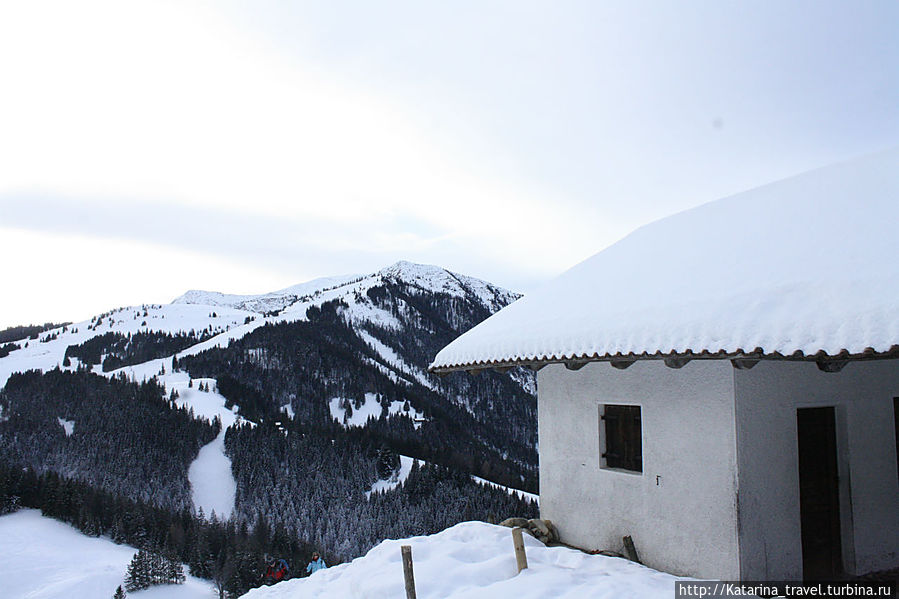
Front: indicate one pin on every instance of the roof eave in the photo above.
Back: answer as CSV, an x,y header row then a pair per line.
x,y
740,359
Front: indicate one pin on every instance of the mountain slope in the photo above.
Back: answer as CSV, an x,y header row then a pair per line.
x,y
304,364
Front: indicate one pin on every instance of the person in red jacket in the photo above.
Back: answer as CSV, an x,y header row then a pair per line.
x,y
276,571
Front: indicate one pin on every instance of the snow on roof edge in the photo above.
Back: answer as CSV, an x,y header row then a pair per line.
x,y
796,269
575,361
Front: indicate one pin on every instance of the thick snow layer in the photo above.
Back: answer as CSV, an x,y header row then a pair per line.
x,y
67,425
473,560
807,264
42,558
370,408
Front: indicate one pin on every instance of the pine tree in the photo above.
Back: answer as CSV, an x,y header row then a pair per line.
x,y
138,576
174,572
119,593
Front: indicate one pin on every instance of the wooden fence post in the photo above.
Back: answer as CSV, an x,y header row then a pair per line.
x,y
520,557
407,571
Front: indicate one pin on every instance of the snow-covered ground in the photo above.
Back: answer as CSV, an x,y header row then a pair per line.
x,y
42,558
474,560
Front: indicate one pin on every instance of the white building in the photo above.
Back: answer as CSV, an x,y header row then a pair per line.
x,y
722,384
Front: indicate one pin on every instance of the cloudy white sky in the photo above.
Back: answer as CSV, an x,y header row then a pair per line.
x,y
150,148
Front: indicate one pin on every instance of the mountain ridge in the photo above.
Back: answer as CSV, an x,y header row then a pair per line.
x,y
427,277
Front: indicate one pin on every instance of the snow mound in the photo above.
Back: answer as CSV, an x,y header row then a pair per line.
x,y
807,264
474,560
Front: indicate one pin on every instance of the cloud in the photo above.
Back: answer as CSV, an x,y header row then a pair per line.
x,y
169,102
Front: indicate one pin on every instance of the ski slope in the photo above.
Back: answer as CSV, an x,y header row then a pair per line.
x,y
42,558
212,484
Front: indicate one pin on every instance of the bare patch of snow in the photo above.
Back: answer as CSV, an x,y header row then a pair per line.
x,y
398,478
369,408
67,425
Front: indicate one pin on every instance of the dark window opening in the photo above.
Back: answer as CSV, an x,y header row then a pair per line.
x,y
623,432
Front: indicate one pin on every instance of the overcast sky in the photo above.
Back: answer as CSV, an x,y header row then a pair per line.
x,y
147,149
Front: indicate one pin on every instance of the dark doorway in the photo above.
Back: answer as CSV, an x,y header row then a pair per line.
x,y
819,495
896,423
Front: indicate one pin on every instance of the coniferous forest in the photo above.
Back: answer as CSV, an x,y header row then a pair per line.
x,y
128,438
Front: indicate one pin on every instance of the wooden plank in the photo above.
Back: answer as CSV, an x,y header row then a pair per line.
x,y
407,571
520,557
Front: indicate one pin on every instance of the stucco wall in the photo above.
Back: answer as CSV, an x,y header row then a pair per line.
x,y
685,524
767,398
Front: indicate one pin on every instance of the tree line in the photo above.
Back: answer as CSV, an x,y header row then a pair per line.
x,y
116,350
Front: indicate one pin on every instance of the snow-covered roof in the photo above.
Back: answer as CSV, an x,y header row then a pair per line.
x,y
807,266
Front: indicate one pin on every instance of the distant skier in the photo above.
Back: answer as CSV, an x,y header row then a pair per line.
x,y
316,564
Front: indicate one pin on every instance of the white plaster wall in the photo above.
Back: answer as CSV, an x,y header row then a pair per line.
x,y
767,398
687,523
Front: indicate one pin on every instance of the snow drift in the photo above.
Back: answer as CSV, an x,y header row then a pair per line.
x,y
474,560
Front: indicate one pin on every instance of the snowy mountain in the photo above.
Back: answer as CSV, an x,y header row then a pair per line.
x,y
226,317
307,399
425,277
